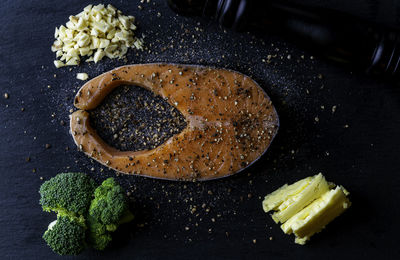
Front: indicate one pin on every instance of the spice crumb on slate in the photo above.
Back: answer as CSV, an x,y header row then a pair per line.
x,y
132,118
48,146
6,95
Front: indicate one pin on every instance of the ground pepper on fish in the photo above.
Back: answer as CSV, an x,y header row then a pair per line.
x,y
132,118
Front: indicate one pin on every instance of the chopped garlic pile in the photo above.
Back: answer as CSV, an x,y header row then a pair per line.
x,y
96,32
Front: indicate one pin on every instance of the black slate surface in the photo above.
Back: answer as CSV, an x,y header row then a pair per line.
x,y
356,146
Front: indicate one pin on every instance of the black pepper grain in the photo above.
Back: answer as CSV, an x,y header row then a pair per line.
x,y
132,118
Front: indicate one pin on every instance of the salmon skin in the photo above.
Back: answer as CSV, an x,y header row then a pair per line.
x,y
230,122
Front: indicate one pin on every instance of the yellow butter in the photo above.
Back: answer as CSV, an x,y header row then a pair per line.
x,y
317,215
273,200
293,204
306,206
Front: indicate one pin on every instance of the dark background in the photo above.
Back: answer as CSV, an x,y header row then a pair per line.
x,y
356,146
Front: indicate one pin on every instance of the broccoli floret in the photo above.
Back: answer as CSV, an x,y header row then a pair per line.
x,y
65,236
84,213
98,236
68,194
107,211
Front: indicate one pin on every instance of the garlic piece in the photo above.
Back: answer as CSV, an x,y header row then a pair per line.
x,y
82,76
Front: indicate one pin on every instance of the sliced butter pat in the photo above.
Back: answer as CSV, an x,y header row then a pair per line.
x,y
317,215
306,206
275,199
82,76
297,202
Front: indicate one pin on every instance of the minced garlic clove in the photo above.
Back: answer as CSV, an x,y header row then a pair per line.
x,y
82,76
98,55
58,64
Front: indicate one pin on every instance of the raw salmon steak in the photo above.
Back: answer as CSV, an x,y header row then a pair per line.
x,y
229,121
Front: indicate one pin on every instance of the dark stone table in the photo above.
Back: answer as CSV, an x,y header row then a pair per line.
x,y
333,121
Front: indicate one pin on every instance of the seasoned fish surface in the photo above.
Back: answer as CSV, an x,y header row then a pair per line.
x,y
230,121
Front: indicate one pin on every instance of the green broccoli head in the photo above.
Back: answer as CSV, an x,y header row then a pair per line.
x,y
107,211
65,236
98,237
67,194
109,203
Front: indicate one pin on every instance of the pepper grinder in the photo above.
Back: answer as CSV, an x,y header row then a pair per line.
x,y
337,36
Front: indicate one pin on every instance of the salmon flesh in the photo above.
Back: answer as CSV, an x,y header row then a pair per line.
x,y
225,121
